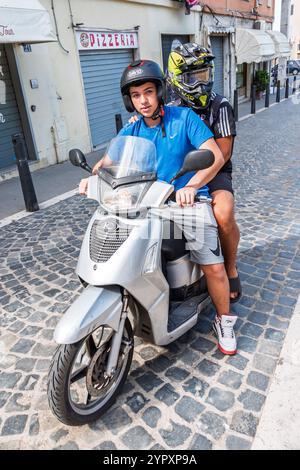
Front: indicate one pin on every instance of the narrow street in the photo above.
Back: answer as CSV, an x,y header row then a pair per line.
x,y
187,395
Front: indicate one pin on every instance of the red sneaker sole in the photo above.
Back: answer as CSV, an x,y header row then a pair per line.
x,y
229,353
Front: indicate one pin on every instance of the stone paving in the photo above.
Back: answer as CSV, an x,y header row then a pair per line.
x,y
187,395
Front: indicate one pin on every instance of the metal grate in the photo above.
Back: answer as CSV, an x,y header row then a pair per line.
x,y
106,237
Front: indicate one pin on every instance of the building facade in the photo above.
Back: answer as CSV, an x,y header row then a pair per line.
x,y
294,31
65,94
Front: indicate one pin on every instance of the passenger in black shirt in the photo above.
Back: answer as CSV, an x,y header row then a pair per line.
x,y
190,80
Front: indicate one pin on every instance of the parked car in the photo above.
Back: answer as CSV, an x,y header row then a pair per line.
x,y
293,67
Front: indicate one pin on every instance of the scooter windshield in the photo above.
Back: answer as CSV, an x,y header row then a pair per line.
x,y
129,167
131,157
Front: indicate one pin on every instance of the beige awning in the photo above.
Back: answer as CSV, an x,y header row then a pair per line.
x,y
282,47
253,45
25,21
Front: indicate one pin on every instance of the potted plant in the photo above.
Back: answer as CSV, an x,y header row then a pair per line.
x,y
261,82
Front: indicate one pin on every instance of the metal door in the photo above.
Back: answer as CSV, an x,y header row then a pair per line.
x,y
217,50
101,73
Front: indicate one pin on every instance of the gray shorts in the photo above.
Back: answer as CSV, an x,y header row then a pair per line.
x,y
200,230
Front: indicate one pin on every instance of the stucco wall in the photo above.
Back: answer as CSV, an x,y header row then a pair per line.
x,y
295,30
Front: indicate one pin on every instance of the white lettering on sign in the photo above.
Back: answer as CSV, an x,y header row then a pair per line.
x,y
102,40
2,120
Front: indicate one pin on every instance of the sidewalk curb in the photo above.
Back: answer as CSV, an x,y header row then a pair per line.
x,y
278,427
271,105
43,205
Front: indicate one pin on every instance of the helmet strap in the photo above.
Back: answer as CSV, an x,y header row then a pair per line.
x,y
159,113
156,114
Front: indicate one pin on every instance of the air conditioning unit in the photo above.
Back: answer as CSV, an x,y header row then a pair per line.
x,y
259,24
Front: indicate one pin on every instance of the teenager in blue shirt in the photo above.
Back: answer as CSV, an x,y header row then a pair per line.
x,y
175,131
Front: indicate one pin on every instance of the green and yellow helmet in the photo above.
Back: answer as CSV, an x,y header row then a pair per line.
x,y
190,74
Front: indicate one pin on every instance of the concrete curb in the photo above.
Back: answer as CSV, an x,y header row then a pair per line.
x,y
279,427
43,205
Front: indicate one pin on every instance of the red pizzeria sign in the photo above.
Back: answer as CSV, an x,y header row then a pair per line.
x,y
87,40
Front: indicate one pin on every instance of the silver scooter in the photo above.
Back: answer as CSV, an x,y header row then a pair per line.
x,y
137,276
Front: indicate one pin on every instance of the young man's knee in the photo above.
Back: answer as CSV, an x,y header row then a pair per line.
x,y
225,217
216,271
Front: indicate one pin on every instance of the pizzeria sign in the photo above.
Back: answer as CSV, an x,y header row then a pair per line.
x,y
93,40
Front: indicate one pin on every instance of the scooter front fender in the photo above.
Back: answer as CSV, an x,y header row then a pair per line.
x,y
94,307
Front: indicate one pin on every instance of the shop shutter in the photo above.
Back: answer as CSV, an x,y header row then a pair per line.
x,y
10,122
217,50
101,73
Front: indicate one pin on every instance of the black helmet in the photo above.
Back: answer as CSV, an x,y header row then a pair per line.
x,y
137,73
190,74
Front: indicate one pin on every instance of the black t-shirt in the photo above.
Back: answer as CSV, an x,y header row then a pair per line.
x,y
219,118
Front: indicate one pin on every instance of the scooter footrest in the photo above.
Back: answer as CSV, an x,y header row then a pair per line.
x,y
180,312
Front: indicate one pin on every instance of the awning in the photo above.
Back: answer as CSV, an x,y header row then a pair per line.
x,y
253,45
220,29
24,21
282,47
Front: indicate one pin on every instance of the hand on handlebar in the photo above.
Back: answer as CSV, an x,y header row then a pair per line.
x,y
185,196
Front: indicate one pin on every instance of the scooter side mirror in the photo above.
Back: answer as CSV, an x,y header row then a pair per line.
x,y
196,160
77,158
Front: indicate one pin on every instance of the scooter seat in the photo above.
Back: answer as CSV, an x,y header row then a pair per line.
x,y
174,243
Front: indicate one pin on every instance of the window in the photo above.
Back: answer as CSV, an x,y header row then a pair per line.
x,y
298,47
292,9
269,3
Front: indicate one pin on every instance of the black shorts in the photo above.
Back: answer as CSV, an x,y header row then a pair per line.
x,y
223,181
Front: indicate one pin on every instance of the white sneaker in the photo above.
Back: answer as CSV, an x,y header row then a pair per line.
x,y
223,327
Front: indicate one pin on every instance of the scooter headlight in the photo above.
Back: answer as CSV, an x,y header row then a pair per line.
x,y
122,198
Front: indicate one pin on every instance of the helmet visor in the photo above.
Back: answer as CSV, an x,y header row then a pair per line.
x,y
195,77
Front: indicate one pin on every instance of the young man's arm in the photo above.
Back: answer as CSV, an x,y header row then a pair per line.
x,y
224,132
225,145
225,129
105,161
185,196
83,185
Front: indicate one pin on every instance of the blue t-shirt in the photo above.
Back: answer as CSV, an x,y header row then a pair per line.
x,y
185,131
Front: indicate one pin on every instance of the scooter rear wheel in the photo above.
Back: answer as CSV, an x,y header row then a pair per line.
x,y
79,392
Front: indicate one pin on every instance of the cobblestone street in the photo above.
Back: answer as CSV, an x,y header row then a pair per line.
x,y
187,395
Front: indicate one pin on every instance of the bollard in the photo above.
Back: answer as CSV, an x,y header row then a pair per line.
x,y
253,99
287,85
294,85
267,97
235,106
278,92
119,122
31,203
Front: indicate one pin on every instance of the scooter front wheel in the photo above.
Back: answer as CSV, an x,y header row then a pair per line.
x,y
79,391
